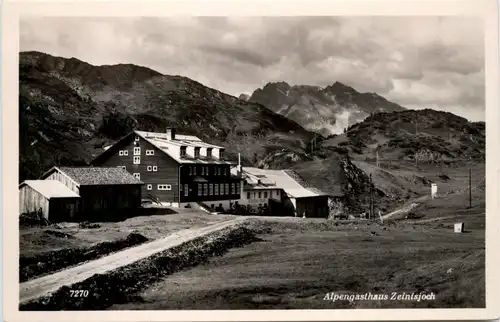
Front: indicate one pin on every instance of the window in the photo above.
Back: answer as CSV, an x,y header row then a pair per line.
x,y
233,189
216,189
155,168
248,195
120,153
137,138
150,187
196,152
237,188
190,170
200,191
150,152
186,190
277,193
202,171
137,160
125,152
137,176
137,151
221,154
227,188
211,189
260,194
225,171
218,171
206,171
265,194
164,187
209,152
194,170
150,168
183,151
205,189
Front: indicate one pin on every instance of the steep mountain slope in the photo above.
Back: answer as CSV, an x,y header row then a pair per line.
x,y
69,110
427,135
326,110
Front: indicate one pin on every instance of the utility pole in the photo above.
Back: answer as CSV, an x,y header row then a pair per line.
x,y
371,197
470,188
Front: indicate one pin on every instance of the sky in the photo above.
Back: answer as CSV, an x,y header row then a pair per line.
x,y
417,62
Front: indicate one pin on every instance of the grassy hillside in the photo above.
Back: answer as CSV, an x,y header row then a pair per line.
x,y
425,134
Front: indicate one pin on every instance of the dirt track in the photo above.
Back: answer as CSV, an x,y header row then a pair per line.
x,y
41,286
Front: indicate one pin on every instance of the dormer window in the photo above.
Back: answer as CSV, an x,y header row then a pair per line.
x,y
183,151
209,152
196,152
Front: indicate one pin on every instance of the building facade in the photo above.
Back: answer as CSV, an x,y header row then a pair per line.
x,y
281,192
176,169
51,198
105,193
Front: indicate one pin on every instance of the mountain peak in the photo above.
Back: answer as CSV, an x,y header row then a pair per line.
x,y
340,88
323,110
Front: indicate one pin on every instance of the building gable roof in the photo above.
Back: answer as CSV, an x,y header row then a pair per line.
x,y
50,188
283,179
171,148
85,176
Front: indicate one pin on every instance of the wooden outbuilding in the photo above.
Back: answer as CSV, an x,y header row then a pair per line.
x,y
105,193
50,197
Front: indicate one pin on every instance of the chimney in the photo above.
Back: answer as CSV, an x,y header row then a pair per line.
x,y
239,168
170,133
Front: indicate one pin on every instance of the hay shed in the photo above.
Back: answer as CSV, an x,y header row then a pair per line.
x,y
53,199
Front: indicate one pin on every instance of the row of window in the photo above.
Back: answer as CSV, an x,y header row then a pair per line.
x,y
197,152
137,151
261,194
205,171
216,189
150,168
160,187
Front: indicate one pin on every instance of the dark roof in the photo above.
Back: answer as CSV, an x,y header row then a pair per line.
x,y
100,176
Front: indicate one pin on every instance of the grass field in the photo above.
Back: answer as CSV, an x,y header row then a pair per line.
x,y
300,260
69,235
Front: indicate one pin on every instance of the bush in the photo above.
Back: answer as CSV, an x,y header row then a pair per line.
x,y
32,219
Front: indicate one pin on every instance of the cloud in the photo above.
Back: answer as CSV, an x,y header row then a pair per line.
x,y
414,61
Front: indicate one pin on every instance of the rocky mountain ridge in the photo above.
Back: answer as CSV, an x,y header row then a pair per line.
x,y
325,110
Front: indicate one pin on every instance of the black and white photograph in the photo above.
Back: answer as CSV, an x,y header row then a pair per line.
x,y
251,162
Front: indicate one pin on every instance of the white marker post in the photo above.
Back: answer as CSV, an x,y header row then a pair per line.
x,y
434,190
459,227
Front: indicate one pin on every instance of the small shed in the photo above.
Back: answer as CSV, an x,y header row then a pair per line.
x,y
56,201
104,192
308,202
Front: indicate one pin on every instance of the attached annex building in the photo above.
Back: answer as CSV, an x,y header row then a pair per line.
x,y
81,193
176,169
282,190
